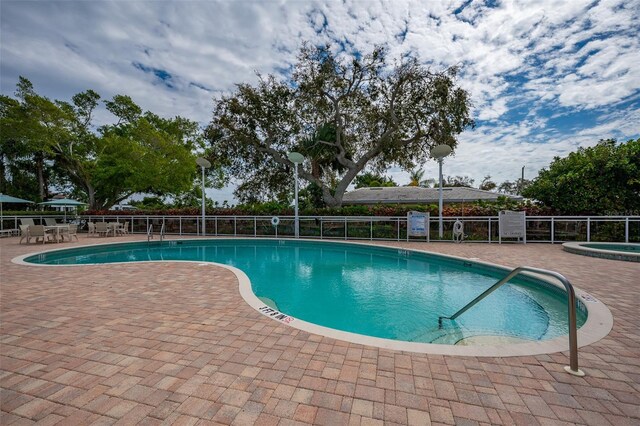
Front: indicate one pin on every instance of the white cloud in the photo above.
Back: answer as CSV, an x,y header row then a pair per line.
x,y
548,58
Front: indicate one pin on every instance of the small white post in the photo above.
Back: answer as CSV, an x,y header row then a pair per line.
x,y
296,158
440,201
204,164
439,152
203,206
297,223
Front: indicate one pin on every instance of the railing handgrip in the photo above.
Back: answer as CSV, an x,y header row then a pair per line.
x,y
571,306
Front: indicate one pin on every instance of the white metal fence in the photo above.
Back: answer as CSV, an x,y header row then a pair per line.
x,y
544,229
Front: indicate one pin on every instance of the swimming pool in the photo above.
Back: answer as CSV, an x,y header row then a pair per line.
x,y
382,292
629,252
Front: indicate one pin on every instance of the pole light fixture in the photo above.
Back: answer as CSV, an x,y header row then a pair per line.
x,y
296,158
204,164
439,152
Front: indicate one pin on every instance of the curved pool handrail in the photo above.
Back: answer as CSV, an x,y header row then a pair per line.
x,y
571,302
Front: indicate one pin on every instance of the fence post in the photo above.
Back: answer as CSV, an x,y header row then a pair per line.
x,y
345,227
235,226
588,229
553,232
490,229
180,225
215,224
407,219
626,229
255,226
371,229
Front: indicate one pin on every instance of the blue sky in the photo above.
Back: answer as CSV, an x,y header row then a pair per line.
x,y
545,76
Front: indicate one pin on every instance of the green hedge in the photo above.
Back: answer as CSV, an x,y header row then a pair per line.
x,y
35,213
275,209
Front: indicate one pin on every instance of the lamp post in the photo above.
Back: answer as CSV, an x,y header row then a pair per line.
x,y
204,164
439,152
296,158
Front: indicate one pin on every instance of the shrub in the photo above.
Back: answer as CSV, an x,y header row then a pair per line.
x,y
480,208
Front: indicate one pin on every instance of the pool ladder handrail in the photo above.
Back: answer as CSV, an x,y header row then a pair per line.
x,y
150,233
571,302
162,233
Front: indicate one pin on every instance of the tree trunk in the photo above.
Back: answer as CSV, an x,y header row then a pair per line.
x,y
42,188
91,195
330,200
335,200
3,173
315,169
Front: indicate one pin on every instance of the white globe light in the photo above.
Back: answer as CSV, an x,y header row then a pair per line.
x,y
295,157
203,162
440,151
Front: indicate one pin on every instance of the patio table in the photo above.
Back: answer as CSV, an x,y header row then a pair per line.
x,y
115,227
56,231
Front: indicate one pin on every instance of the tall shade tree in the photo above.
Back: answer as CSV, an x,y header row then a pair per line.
x,y
603,179
29,127
141,152
343,114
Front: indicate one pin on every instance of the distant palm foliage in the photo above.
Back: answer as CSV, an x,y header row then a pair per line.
x,y
373,180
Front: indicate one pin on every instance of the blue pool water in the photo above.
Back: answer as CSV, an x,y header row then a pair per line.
x,y
375,291
632,248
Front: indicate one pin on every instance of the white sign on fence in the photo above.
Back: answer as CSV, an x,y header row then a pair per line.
x,y
512,225
418,224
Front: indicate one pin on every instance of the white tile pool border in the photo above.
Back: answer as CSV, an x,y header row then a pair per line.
x,y
599,320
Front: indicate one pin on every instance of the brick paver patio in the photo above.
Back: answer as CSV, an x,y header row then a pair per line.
x,y
174,343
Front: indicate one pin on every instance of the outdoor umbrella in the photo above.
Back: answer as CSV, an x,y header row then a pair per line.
x,y
9,199
63,202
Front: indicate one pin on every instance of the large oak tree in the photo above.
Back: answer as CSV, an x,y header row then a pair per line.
x,y
343,114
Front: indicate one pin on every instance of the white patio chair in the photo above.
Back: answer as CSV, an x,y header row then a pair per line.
x,y
69,232
91,229
38,232
102,229
24,233
124,229
27,221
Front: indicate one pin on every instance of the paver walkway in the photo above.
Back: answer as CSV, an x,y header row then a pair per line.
x,y
174,343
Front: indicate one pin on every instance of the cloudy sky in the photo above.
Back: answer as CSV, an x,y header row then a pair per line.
x,y
546,76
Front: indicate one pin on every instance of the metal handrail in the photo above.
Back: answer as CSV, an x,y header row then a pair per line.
x,y
162,232
149,233
571,302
